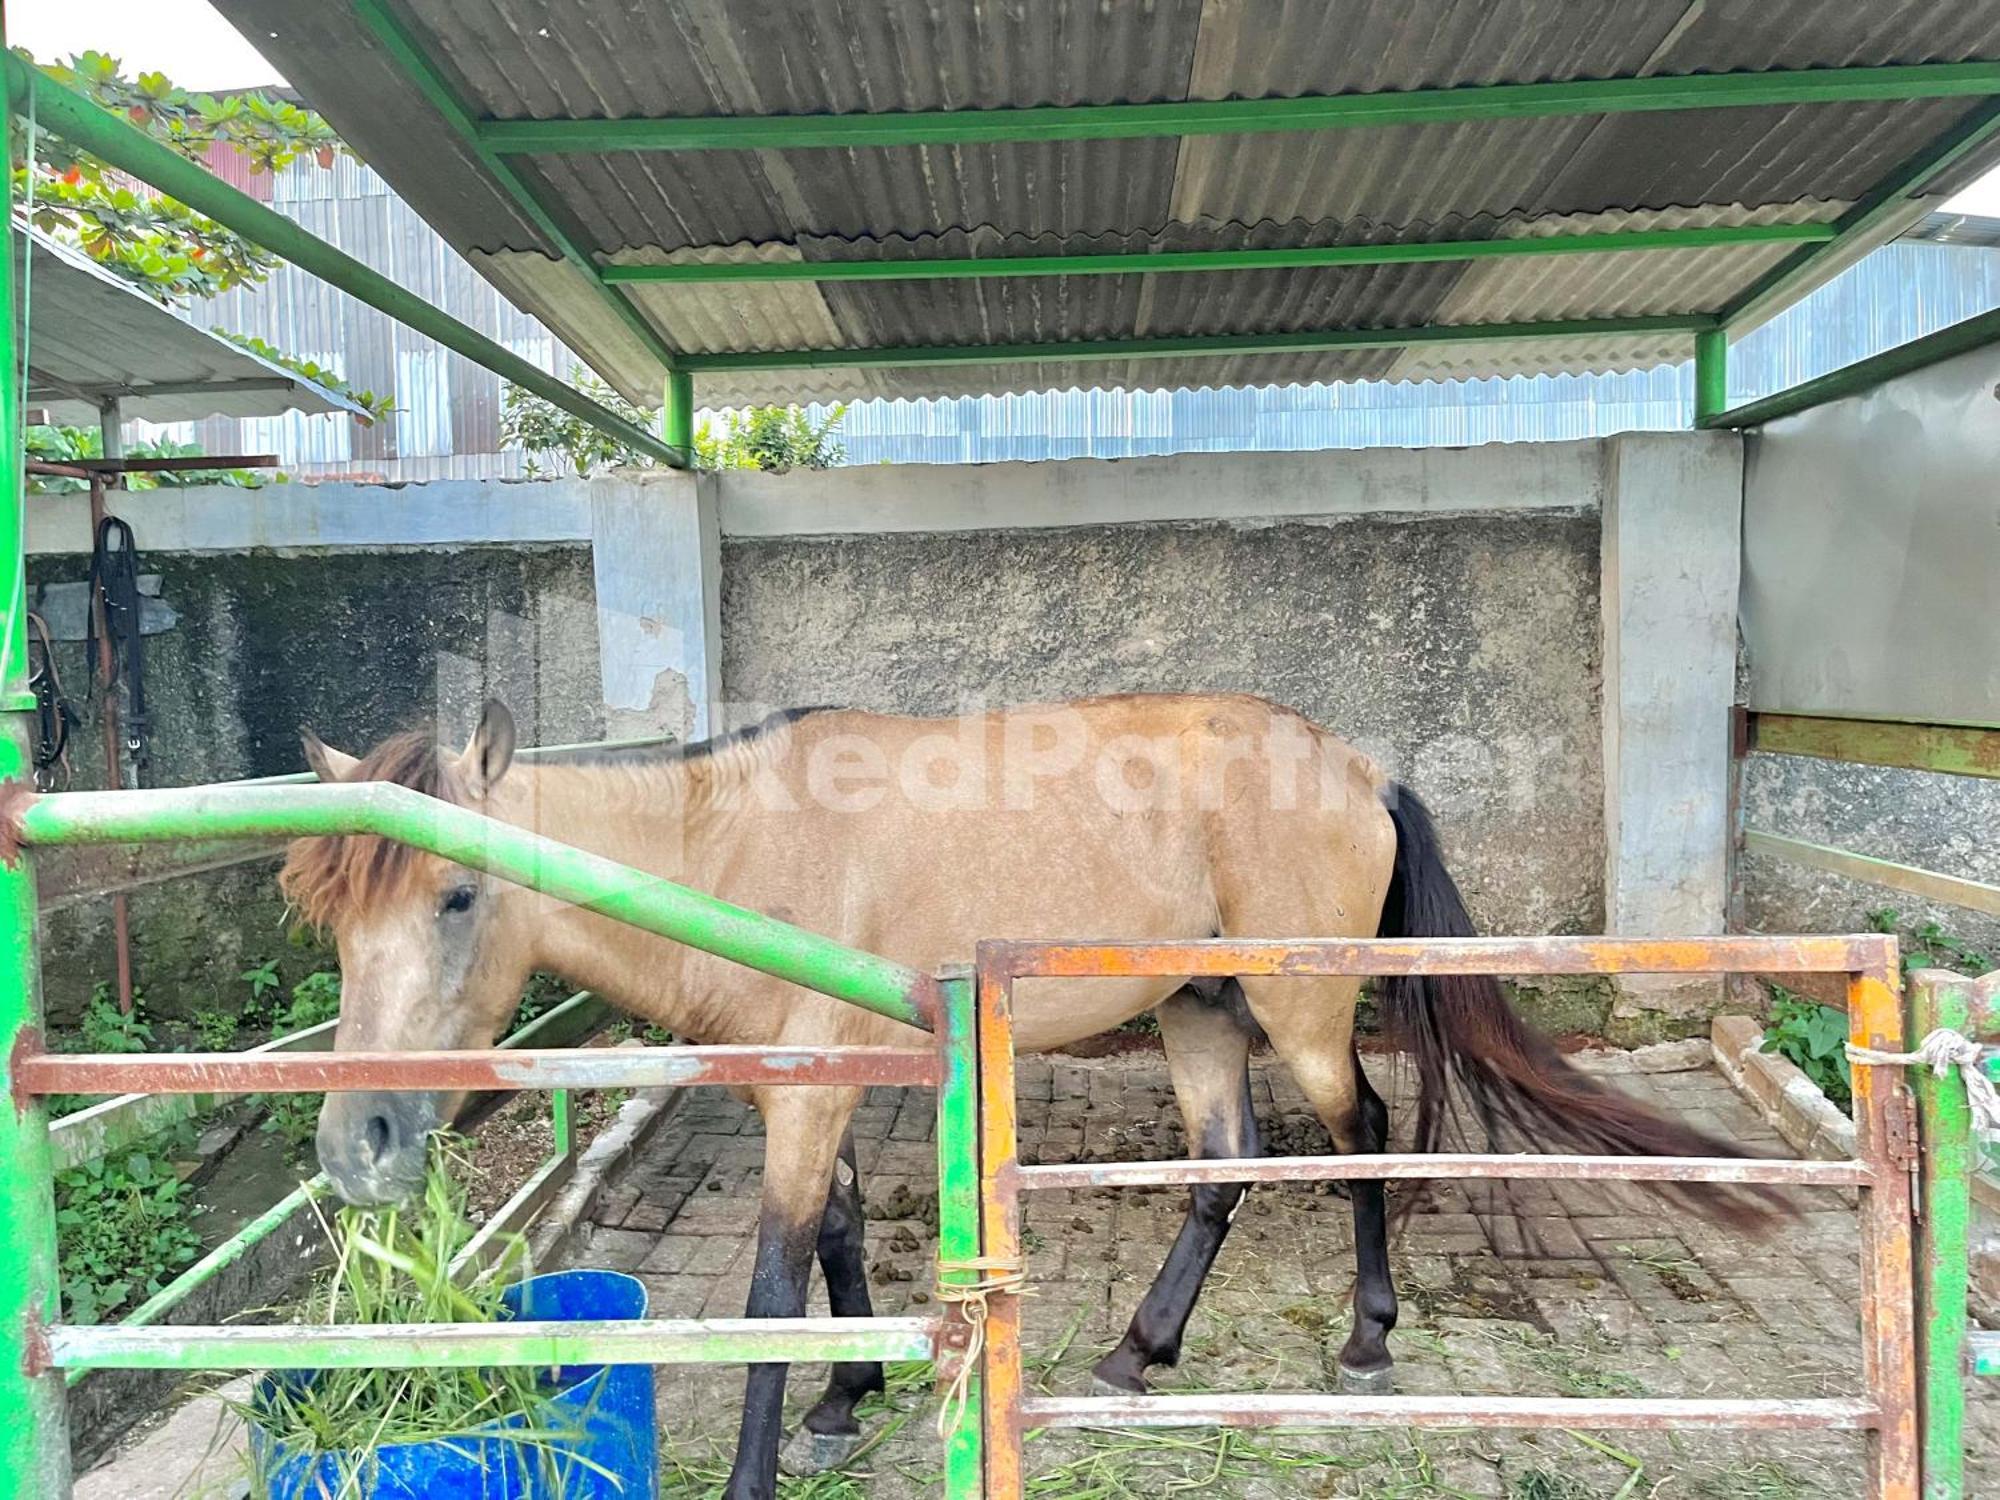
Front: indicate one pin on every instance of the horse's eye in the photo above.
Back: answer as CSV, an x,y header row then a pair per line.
x,y
459,898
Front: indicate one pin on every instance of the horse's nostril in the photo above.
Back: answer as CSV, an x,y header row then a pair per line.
x,y
377,1137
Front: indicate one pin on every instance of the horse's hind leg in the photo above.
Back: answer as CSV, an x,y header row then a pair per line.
x,y
1311,1025
831,1432
1208,1055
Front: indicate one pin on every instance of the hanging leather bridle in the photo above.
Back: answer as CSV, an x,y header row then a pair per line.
x,y
55,715
114,589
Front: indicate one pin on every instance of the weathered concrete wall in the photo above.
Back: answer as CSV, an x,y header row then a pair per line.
x,y
356,644
1462,651
1936,822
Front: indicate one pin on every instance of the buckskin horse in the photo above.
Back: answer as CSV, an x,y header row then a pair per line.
x,y
1130,817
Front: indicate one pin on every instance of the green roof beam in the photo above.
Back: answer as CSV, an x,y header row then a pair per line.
x,y
84,123
1143,262
414,62
1307,341
1785,283
1501,101
1957,338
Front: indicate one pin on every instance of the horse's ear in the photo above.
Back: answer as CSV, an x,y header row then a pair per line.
x,y
328,763
490,750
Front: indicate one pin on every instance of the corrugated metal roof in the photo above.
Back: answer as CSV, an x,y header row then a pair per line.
x,y
93,335
515,59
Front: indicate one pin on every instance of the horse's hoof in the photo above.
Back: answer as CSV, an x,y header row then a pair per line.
x,y
1099,1386
808,1453
1367,1382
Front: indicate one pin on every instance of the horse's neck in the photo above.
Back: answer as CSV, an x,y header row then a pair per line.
x,y
634,814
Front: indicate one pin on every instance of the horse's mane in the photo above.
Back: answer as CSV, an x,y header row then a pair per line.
x,y
326,877
330,876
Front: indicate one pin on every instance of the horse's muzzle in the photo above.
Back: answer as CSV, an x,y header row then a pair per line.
x,y
375,1147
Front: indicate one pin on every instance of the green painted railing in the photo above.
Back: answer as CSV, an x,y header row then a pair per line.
x,y
588,880
1949,1160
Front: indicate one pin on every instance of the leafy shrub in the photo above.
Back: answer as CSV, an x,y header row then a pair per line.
x,y
774,438
1814,1037
122,1227
1926,945
216,1030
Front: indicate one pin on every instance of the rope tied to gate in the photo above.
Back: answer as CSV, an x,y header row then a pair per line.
x,y
1941,1051
995,1276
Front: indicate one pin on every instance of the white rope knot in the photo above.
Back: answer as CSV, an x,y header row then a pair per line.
x,y
995,1276
1941,1051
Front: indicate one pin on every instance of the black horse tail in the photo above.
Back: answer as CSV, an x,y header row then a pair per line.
x,y
1465,1037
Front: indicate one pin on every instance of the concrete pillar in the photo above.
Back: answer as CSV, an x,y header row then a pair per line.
x,y
1672,550
656,550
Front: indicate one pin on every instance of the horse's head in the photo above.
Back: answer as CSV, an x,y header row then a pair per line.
x,y
428,960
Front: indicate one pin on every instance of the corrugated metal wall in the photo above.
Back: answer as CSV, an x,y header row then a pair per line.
x,y
447,422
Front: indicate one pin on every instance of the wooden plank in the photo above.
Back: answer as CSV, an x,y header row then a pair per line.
x,y
1950,890
1958,749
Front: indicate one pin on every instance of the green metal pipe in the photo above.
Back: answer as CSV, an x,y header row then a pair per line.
x,y
1860,226
1711,374
677,415
413,1346
1153,262
1305,342
1864,375
1503,101
82,123
959,1238
587,880
34,1462
414,60
1945,1167
224,1255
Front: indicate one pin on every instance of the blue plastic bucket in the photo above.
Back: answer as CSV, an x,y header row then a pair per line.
x,y
609,1406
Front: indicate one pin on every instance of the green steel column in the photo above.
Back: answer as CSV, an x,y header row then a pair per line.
x,y
677,415
1946,1164
1711,375
34,1462
958,1204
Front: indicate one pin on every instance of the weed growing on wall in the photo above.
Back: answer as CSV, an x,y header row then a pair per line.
x,y
1814,1037
123,1226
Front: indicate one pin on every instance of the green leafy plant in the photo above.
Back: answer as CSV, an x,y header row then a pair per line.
x,y
315,999
215,1029
122,1227
160,245
395,1266
375,406
105,1028
68,444
774,438
1814,1037
1926,945
264,985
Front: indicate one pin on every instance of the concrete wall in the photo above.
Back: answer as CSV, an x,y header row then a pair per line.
x,y
1447,609
357,644
1871,542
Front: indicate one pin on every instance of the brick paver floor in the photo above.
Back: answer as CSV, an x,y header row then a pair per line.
x,y
1556,1289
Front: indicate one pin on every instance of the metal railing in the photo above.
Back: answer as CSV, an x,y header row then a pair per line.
x,y
1887,1412
1950,1161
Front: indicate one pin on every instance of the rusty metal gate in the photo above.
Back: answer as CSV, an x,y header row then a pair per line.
x,y
1886,1412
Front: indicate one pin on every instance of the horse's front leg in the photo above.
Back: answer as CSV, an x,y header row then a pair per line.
x,y
803,1128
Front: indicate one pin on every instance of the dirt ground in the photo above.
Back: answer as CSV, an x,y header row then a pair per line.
x,y
1555,1289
